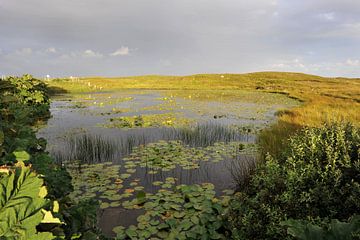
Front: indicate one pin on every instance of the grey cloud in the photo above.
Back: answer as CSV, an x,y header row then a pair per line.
x,y
92,37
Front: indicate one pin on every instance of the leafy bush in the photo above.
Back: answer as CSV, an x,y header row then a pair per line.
x,y
318,178
27,89
23,102
82,222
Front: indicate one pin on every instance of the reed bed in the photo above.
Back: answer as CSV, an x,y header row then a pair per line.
x,y
90,148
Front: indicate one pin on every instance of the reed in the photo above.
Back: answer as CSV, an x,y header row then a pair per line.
x,y
241,169
86,148
203,135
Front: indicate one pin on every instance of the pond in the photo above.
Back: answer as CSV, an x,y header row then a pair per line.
x,y
130,149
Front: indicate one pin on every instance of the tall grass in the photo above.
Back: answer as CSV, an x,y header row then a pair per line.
x,y
203,135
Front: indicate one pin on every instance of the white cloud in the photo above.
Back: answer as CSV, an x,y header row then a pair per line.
x,y
330,16
123,51
24,51
165,62
51,50
278,65
91,53
345,30
85,54
353,62
294,64
351,28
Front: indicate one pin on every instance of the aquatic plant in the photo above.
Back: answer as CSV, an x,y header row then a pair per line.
x,y
102,180
166,155
177,212
149,121
94,148
106,181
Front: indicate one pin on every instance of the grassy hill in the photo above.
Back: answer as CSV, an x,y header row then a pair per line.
x,y
324,98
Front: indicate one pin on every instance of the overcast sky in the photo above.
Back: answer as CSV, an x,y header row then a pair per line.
x,y
136,37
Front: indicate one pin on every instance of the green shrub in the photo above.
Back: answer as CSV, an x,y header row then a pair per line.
x,y
23,102
318,178
27,89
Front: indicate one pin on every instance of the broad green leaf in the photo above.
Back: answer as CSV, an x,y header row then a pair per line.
x,y
21,155
21,204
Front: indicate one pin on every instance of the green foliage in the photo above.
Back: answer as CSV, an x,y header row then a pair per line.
x,y
317,178
22,199
335,230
